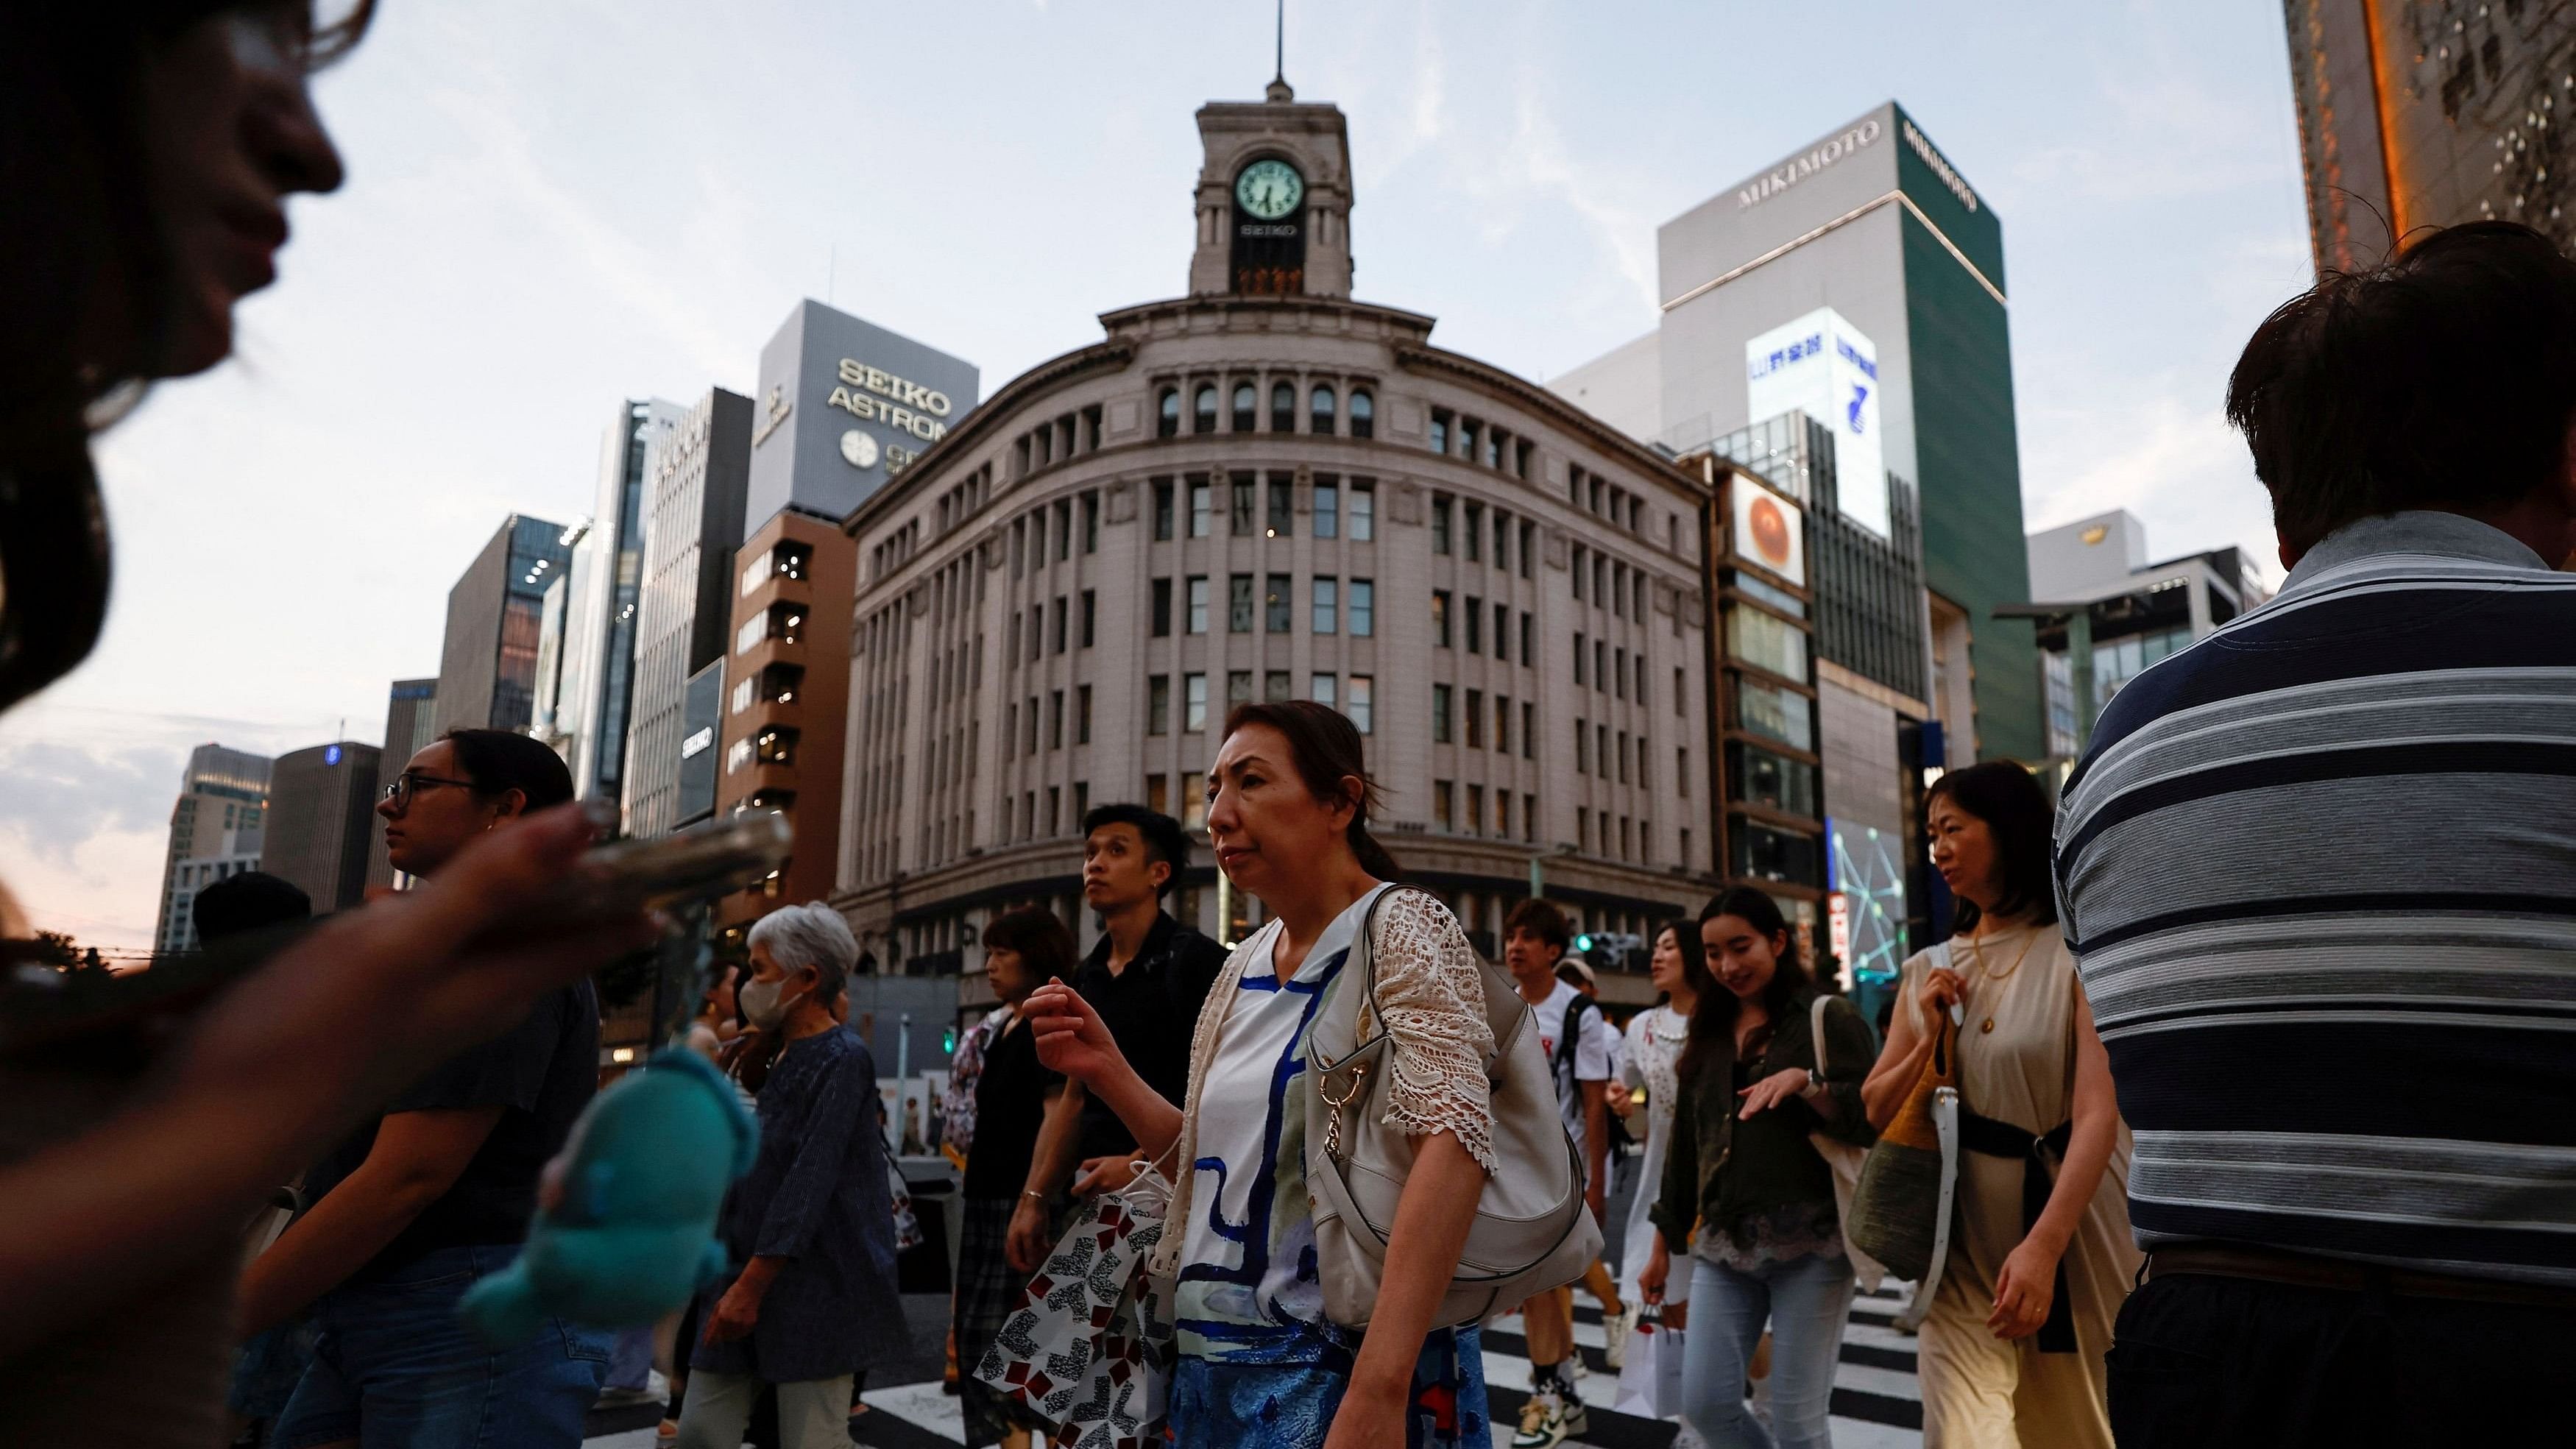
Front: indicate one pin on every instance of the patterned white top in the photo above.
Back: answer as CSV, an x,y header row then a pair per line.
x,y
1654,1041
1248,1290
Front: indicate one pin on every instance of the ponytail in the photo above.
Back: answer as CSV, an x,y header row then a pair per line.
x,y
1327,751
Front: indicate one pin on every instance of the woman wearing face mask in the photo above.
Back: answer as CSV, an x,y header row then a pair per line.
x,y
148,148
1656,1037
812,1223
1261,1366
1743,1169
2041,1255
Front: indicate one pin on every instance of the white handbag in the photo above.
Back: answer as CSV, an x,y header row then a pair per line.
x,y
1532,1231
1845,1160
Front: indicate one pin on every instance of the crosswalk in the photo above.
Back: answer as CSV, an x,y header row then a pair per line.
x,y
1877,1404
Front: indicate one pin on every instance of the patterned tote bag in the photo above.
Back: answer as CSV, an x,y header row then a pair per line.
x,y
1088,1349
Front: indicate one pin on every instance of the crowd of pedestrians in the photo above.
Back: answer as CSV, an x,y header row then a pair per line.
x,y
2259,1029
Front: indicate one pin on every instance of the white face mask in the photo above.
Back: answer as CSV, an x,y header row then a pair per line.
x,y
761,1005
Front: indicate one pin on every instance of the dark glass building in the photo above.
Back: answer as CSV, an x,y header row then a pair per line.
x,y
487,668
321,818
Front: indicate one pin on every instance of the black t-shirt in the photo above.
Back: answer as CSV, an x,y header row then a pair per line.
x,y
541,1074
1152,1011
1010,1106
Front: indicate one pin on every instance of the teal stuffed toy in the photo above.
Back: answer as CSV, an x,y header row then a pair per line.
x,y
626,1214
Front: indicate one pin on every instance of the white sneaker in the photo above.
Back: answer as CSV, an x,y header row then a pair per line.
x,y
1547,1421
1615,1328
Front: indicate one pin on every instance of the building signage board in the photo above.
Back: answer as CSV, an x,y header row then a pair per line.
x,y
1770,532
1823,366
843,406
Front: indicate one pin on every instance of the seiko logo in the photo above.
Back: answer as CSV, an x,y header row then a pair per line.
x,y
778,410
1780,178
697,742
1940,167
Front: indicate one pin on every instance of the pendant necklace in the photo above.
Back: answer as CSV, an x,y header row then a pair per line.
x,y
1979,948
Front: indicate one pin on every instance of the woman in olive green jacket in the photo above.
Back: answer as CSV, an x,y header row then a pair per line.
x,y
1742,1173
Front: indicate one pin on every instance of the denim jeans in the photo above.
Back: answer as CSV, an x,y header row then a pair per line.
x,y
393,1368
1805,1302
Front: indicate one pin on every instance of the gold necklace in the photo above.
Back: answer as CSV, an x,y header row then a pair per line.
x,y
1979,947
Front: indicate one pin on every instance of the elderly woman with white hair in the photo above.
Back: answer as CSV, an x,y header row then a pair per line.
x,y
812,1225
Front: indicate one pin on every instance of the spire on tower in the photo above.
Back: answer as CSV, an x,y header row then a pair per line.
x,y
1278,92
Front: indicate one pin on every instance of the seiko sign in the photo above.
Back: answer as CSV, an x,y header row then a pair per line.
x,y
898,402
1789,173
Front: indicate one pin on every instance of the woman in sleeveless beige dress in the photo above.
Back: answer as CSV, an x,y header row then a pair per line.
x,y
2027,1059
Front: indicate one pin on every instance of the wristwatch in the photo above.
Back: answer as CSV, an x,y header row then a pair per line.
x,y
1815,1085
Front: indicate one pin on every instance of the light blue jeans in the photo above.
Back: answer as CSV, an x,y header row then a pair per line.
x,y
1805,1302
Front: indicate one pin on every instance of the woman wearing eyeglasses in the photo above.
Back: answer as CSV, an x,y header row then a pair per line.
x,y
437,1191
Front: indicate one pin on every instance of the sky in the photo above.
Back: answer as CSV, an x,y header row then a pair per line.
x,y
553,208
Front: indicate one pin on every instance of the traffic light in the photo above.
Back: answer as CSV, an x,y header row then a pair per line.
x,y
1583,943
948,1041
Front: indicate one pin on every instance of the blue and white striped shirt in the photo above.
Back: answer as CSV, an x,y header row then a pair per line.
x,y
2319,873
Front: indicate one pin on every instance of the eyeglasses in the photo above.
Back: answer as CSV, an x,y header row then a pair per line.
x,y
411,782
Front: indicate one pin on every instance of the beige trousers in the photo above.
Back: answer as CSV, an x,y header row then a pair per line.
x,y
812,1414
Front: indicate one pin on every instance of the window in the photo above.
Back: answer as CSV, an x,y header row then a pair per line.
x,y
1475,522
1055,809
775,745
1780,599
1444,804
1323,408
1162,510
1274,686
1199,509
1641,678
1601,665
1440,617
1246,407
1476,809
1090,616
1681,769
1440,525
1529,653
1193,816
1439,430
1082,715
1774,713
1475,719
1601,748
1158,794
1158,704
1503,814
1502,540
1238,687
1327,607
1440,714
1765,642
1579,654
1360,707
1010,729
1240,493
1162,608
1363,510
1193,703
1283,407
1063,529
1637,595
1475,621
1467,430
1203,409
1363,608
1167,411
1320,690
1275,608
1677,690
1583,829
1238,618
1768,854
1623,757
1619,590
1283,518
1055,719
1198,617
781,683
1363,414
1582,748
1529,547
1619,672
1503,723
1328,510
1058,616
1502,633
1756,776
1578,571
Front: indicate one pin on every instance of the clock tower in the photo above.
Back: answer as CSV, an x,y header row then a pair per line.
x,y
1274,199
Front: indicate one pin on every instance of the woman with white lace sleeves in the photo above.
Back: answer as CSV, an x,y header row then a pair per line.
x,y
1261,1364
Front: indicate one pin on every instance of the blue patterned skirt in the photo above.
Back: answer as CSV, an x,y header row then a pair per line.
x,y
1290,1406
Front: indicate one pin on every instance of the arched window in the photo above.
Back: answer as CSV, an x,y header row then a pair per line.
x,y
1363,414
1203,409
1247,403
1324,408
1283,407
1169,424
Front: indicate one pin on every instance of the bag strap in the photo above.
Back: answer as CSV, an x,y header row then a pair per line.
x,y
1364,946
1816,1030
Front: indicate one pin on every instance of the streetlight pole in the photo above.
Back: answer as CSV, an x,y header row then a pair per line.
x,y
2077,621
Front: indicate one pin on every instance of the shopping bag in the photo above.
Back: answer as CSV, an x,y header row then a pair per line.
x,y
1086,1349
1650,1380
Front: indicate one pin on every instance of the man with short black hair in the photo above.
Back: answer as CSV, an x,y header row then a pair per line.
x,y
2316,874
1535,936
1147,976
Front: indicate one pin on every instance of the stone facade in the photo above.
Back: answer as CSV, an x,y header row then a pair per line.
x,y
1236,497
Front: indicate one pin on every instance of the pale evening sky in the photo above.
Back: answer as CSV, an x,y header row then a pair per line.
x,y
555,207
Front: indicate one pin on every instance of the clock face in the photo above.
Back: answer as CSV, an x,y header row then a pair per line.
x,y
858,449
1269,189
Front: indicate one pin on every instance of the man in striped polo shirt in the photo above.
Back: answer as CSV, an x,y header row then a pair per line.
x,y
2319,872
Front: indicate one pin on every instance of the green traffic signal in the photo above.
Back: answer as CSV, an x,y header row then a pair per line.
x,y
1583,943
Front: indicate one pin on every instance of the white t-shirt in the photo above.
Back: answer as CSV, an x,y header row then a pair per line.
x,y
1591,1058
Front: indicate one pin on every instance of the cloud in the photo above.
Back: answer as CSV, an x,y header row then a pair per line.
x,y
61,796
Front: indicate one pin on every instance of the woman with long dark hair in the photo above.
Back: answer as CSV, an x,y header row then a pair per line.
x,y
1261,1365
148,148
1769,1246
2040,1253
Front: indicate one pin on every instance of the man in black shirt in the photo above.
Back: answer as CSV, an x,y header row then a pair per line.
x,y
1148,976
437,1191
